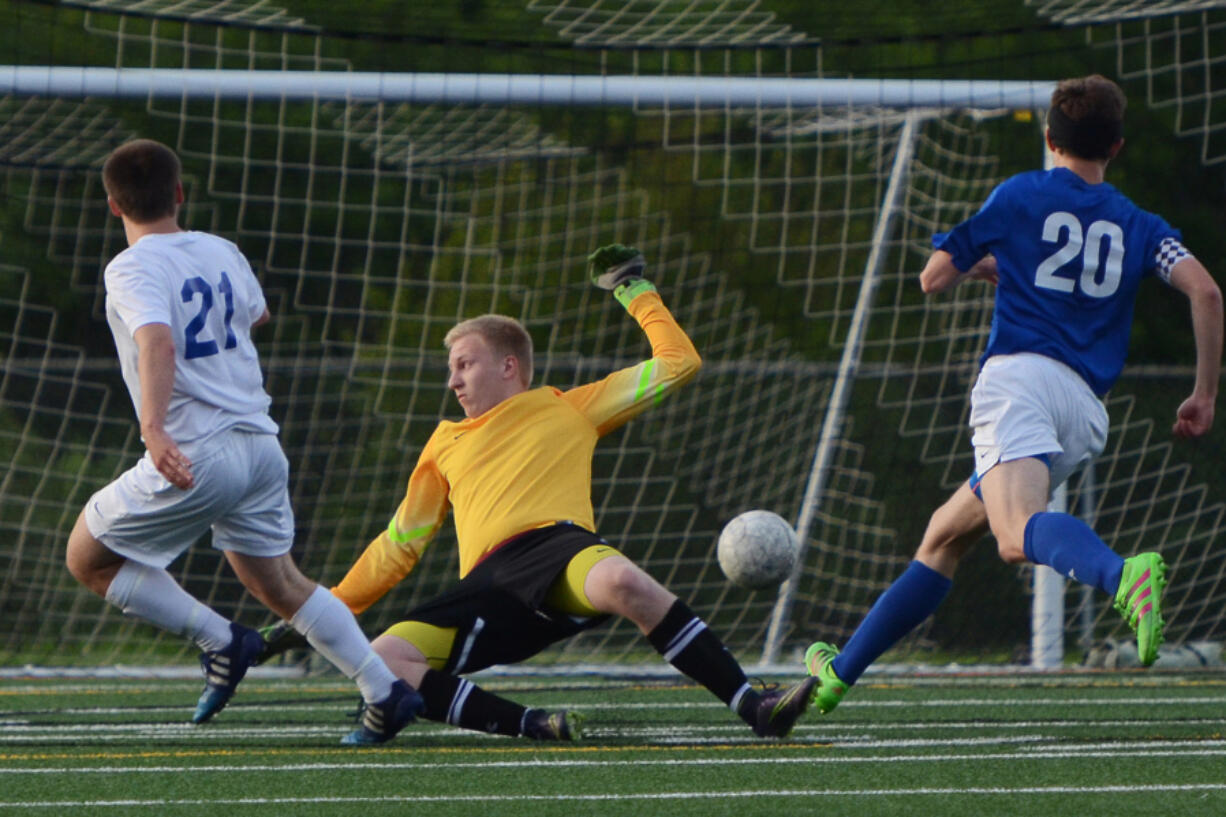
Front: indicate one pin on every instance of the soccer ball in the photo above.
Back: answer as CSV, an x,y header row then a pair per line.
x,y
757,549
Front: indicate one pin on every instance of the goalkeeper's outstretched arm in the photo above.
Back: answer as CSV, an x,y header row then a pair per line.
x,y
674,361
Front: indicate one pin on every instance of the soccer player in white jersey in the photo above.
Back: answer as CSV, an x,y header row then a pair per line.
x,y
181,305
1067,252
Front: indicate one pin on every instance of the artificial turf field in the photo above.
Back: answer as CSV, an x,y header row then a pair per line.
x,y
1144,743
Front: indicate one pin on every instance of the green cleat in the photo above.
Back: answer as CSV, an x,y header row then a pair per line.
x,y
563,725
830,688
1139,601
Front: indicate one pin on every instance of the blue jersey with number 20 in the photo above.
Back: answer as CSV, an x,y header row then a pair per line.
x,y
1070,256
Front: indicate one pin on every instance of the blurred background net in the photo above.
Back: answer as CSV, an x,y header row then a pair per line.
x,y
374,227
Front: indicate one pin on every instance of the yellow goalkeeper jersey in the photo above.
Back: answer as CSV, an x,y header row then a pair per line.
x,y
524,464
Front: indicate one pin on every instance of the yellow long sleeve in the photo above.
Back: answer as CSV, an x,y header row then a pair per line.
x,y
524,464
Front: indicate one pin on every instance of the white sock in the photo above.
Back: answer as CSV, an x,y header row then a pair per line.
x,y
334,633
151,594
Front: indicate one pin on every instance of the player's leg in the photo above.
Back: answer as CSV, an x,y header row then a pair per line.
x,y
420,653
953,528
143,591
255,534
1015,493
149,593
1063,425
120,547
329,627
614,584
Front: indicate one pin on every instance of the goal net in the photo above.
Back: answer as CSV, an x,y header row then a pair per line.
x,y
375,225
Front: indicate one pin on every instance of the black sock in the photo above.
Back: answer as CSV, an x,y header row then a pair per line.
x,y
686,643
462,703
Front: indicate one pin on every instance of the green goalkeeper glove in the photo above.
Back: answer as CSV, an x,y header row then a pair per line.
x,y
619,268
280,638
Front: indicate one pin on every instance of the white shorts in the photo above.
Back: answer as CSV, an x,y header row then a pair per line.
x,y
1028,405
240,491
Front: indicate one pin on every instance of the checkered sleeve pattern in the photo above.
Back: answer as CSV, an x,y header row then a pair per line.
x,y
1170,252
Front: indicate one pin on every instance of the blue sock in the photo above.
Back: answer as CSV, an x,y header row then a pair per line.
x,y
905,604
1068,546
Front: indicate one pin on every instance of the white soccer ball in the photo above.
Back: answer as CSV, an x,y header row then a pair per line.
x,y
757,549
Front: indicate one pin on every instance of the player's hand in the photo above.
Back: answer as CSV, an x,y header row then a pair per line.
x,y
620,269
611,266
1194,418
169,460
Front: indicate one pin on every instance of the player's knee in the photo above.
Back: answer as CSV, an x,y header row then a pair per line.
x,y
619,585
85,573
404,658
1010,548
91,564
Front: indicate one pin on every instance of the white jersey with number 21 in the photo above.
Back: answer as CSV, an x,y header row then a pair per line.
x,y
202,287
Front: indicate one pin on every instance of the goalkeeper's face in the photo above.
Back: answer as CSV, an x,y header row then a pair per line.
x,y
480,377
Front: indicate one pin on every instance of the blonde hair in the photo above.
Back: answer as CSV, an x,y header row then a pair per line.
x,y
505,336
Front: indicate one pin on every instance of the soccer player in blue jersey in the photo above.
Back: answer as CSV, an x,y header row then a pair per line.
x,y
1067,252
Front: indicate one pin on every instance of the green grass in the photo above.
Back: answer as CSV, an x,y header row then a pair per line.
x,y
1069,744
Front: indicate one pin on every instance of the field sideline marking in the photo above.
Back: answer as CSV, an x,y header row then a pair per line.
x,y
700,795
712,705
1058,753
833,734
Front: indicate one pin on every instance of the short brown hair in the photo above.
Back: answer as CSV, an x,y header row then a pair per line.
x,y
505,336
141,177
1086,117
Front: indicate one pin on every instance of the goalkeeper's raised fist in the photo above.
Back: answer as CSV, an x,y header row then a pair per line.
x,y
619,268
612,265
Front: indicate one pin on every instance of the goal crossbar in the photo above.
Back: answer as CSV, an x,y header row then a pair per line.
x,y
537,89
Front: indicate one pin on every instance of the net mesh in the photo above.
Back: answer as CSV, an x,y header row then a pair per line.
x,y
375,227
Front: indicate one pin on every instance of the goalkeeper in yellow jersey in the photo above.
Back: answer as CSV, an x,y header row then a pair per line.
x,y
517,474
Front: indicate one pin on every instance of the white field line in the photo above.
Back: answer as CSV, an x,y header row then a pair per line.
x,y
312,706
840,734
20,730
1063,752
623,796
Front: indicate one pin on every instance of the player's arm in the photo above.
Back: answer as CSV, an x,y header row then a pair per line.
x,y
674,361
1189,276
155,366
941,273
393,554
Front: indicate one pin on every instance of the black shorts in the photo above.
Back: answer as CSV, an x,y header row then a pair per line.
x,y
498,608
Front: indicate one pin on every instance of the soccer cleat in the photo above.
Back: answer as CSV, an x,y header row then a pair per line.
x,y
224,669
381,721
615,264
562,725
779,709
280,638
1139,601
830,688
